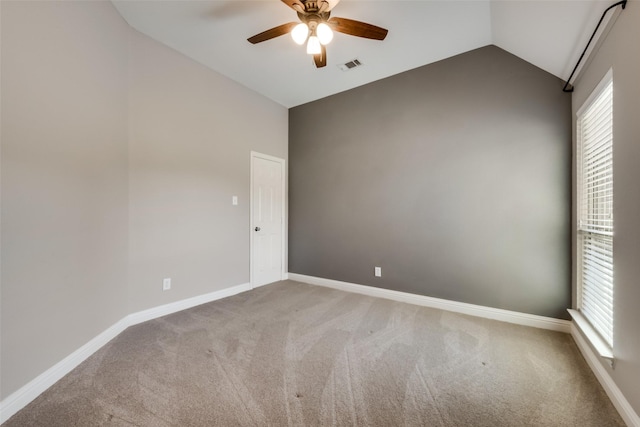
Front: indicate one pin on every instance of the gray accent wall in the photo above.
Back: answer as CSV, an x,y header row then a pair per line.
x,y
454,178
619,52
120,157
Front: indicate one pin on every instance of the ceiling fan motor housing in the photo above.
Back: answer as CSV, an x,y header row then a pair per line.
x,y
313,19
311,6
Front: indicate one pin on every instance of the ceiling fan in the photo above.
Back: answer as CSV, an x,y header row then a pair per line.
x,y
316,28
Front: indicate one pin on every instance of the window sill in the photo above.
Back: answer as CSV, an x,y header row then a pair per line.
x,y
602,348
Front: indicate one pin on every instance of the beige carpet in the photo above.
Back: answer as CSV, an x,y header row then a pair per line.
x,y
296,354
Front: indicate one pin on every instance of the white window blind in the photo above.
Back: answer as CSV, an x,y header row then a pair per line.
x,y
595,210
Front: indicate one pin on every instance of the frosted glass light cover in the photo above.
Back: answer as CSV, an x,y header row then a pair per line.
x,y
299,33
313,46
324,33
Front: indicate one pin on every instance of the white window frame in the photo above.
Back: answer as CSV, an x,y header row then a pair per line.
x,y
595,226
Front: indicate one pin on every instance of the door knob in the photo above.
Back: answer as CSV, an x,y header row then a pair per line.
x,y
257,228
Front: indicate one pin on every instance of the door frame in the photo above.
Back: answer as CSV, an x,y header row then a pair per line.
x,y
254,155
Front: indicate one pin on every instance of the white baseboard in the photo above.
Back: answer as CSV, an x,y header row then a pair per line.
x,y
23,396
27,393
163,310
617,398
458,307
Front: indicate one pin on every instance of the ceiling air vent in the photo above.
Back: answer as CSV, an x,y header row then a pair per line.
x,y
349,65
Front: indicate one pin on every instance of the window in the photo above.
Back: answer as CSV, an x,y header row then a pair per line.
x,y
595,209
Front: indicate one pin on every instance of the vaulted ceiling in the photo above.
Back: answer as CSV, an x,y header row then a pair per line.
x,y
547,33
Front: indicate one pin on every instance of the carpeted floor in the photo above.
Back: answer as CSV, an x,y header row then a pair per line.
x,y
296,354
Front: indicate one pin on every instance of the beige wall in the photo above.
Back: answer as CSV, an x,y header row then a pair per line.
x,y
119,160
620,52
192,131
64,181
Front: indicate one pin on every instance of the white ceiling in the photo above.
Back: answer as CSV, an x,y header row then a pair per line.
x,y
547,33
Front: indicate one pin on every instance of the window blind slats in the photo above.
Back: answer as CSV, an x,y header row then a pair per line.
x,y
600,276
595,320
599,192
598,310
597,222
599,255
598,127
607,301
597,243
597,160
598,279
600,161
597,136
596,314
598,108
604,256
598,176
595,211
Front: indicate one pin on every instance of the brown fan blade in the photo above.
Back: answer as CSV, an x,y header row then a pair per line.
x,y
357,28
273,32
295,5
321,58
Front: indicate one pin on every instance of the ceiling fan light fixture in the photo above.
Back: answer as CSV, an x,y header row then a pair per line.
x,y
317,28
313,46
325,34
299,33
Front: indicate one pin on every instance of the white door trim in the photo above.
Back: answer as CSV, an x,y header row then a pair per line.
x,y
255,154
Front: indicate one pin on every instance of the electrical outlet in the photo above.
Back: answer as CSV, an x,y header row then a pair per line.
x,y
234,200
166,284
378,272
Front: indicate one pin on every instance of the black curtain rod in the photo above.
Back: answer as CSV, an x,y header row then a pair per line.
x,y
624,4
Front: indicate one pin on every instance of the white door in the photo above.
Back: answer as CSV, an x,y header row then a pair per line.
x,y
267,219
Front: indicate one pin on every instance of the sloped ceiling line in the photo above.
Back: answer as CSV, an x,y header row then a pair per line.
x,y
214,33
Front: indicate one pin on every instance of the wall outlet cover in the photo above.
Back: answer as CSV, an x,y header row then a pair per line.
x,y
166,284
